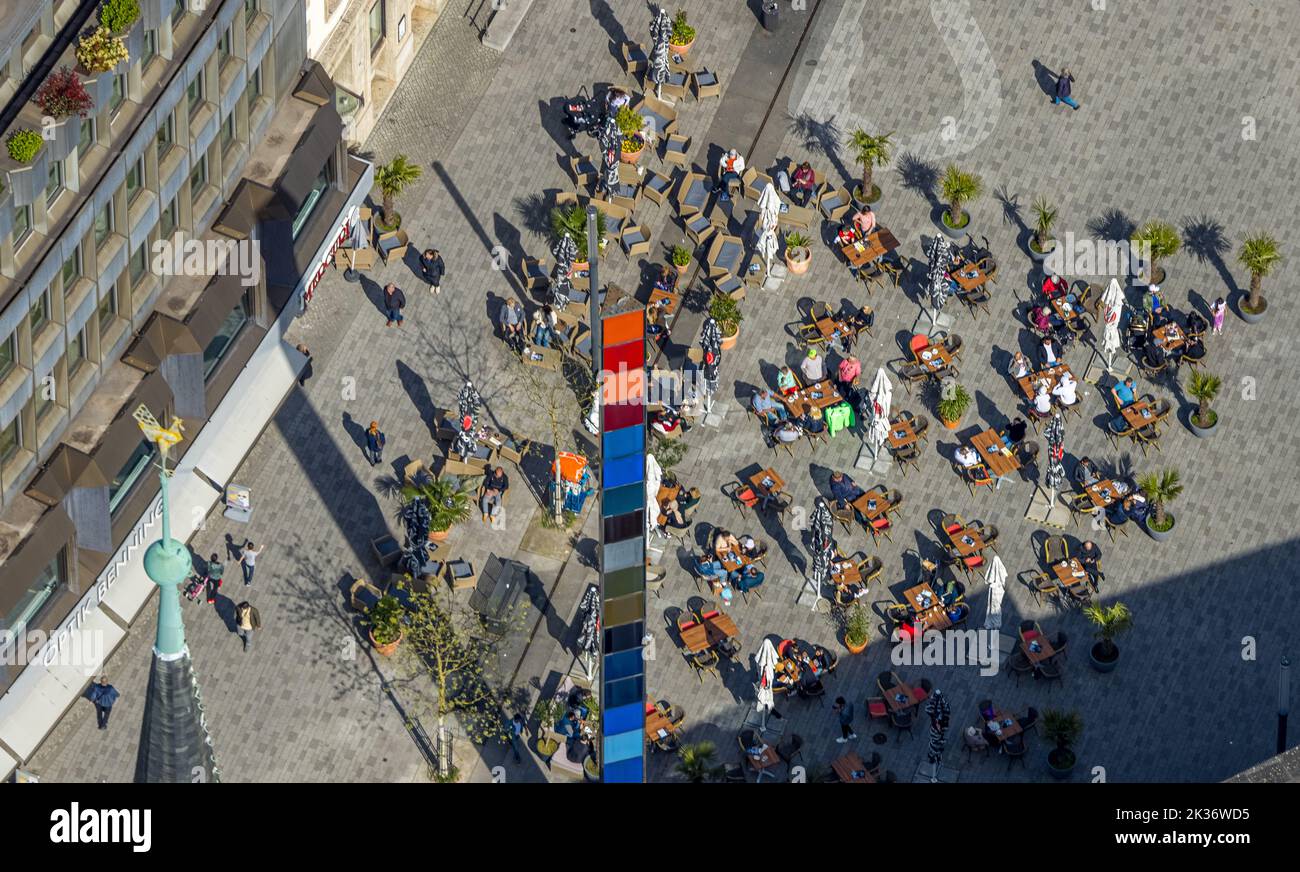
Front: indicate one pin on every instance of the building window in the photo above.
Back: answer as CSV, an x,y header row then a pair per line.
x,y
167,220
120,487
76,352
250,11
313,197
166,136
22,224
199,176
376,26
255,86
134,180
44,405
8,355
178,12
103,223
87,136
116,99
223,49
227,132
150,48
107,309
40,314
226,335
39,593
139,264
10,440
71,269
195,93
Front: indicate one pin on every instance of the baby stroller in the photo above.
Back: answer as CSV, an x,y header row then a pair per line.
x,y
581,114
195,587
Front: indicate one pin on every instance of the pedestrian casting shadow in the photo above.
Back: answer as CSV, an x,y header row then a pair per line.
x,y
1046,78
605,16
356,431
374,293
552,115
411,260
233,551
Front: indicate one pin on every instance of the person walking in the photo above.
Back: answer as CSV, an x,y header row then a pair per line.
x,y
247,621
306,367
433,269
375,440
517,730
1217,311
394,303
511,318
103,695
845,711
248,560
215,571
1063,90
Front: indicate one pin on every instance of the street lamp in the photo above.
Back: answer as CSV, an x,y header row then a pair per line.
x,y
1283,701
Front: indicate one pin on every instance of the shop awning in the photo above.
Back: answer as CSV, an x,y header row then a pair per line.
x,y
161,337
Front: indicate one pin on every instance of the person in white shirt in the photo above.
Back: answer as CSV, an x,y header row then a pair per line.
x,y
1065,390
731,167
1043,401
248,560
967,456
813,367
1019,366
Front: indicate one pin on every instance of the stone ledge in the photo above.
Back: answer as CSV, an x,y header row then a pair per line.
x,y
501,29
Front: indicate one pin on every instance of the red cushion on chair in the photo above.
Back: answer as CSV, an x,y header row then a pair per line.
x,y
712,614
649,708
747,496
880,523
920,694
1029,634
953,528
785,643
876,708
686,626
975,560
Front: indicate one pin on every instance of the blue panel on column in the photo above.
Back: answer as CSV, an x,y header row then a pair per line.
x,y
623,664
625,717
623,746
624,692
621,500
625,771
620,443
624,470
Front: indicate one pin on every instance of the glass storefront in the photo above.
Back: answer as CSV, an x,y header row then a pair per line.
x,y
120,487
227,333
38,593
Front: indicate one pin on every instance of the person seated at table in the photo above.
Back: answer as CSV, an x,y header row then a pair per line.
x,y
813,367
811,421
1054,286
810,686
864,221
729,647
666,280
747,578
689,499
1016,431
787,432
784,675
709,568
725,543
749,546
1041,318
673,515
1152,304
966,456
844,490
949,592
767,407
1090,557
1124,392
731,166
1196,325
929,571
803,182
1194,350
1085,473
1066,390
786,381
821,659
1049,353
1154,356
975,740
1042,401
544,321
1020,366
846,374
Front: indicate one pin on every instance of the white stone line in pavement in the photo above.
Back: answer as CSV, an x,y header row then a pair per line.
x,y
846,55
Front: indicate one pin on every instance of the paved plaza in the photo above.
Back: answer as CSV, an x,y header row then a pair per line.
x,y
1159,136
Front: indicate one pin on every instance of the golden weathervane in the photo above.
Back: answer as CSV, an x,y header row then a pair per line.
x,y
163,437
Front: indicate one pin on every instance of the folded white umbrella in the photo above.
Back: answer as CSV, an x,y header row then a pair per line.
x,y
769,215
882,398
1112,304
766,660
996,576
654,476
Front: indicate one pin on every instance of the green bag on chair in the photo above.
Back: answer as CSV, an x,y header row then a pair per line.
x,y
839,417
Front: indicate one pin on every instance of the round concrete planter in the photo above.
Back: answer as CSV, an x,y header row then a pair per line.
x,y
1202,432
860,202
1040,256
1158,535
797,260
1059,768
1248,316
1100,664
950,231
729,342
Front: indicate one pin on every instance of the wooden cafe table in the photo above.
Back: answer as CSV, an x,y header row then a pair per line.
x,y
821,395
846,766
1139,414
1066,572
1102,493
864,504
1051,375
964,548
935,358
1004,730
909,699
901,434
969,282
1001,462
655,722
696,639
878,243
767,484
1170,337
721,627
1045,650
914,597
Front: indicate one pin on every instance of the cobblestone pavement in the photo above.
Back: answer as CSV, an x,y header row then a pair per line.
x,y
1185,704
1154,139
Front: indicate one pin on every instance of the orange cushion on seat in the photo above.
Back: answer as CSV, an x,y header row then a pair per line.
x,y
880,523
712,614
975,560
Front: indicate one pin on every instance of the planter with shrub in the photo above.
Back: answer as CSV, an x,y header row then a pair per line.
x,y
959,188
681,258
23,145
683,35
1160,488
798,254
726,312
384,620
954,400
869,152
1110,622
1042,243
1203,387
857,628
1259,254
100,51
573,220
1159,240
63,95
630,126
119,15
1063,729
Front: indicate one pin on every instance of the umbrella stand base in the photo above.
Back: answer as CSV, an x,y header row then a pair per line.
x,y
931,322
928,773
1097,368
879,465
1052,514
809,593
716,415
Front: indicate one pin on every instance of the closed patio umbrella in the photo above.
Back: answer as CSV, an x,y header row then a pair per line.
x,y
711,345
997,582
938,711
416,519
940,258
660,31
1055,436
565,252
1112,306
765,660
589,637
821,529
881,399
468,400
654,476
769,215
611,152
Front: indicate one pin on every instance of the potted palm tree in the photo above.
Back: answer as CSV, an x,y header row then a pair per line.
x,y
392,179
696,763
869,152
573,220
1110,622
681,258
1259,254
629,125
857,628
1203,388
1160,488
952,404
1063,728
959,188
726,312
448,504
798,254
1158,240
1042,243
683,35
384,620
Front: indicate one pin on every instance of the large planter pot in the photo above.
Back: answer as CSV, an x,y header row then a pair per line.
x,y
439,535
590,770
682,268
546,749
729,342
951,425
1061,762
1198,431
1040,256
797,260
950,231
631,157
580,265
1248,316
675,49
385,650
1160,535
872,198
1141,280
1102,664
855,649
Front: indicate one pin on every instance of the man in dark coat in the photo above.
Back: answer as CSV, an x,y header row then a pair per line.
x,y
394,303
103,695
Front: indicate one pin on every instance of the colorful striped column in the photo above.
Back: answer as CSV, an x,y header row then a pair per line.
x,y
623,539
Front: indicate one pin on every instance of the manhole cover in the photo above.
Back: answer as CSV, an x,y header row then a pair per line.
x,y
880,738
811,62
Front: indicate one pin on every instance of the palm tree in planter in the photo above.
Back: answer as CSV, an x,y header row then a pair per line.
x,y
1203,387
798,254
869,152
726,312
1110,622
1160,488
952,403
448,503
573,220
1042,242
959,188
392,179
696,763
1158,241
1063,728
1259,254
